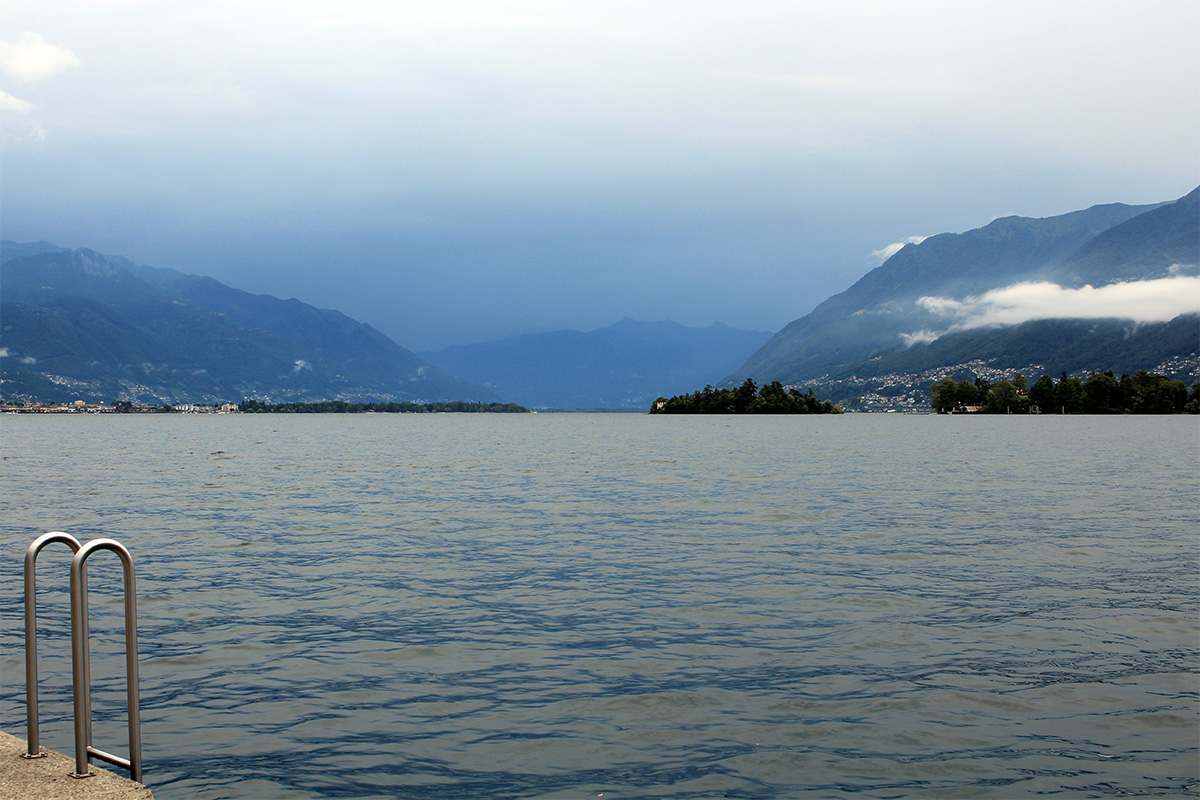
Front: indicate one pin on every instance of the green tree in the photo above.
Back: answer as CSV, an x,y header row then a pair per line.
x,y
1128,392
1068,395
944,395
1101,392
1003,399
1041,394
969,394
743,398
772,399
1157,394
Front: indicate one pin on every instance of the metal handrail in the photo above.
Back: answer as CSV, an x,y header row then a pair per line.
x,y
81,672
81,668
32,731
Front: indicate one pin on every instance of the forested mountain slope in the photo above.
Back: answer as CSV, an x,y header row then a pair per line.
x,y
873,325
76,324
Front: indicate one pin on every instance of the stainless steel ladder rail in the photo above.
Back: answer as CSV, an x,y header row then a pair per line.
x,y
81,667
32,729
81,674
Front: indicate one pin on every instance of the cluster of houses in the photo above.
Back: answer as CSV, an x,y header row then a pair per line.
x,y
81,407
191,408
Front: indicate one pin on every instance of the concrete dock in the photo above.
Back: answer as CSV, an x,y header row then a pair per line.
x,y
50,778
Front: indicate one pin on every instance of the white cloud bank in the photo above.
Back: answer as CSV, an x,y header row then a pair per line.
x,y
31,58
883,254
1159,300
15,104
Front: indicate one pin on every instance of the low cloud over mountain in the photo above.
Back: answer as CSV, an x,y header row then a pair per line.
x,y
884,253
1149,301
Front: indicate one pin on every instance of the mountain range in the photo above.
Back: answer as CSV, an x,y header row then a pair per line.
x,y
625,365
76,324
1050,295
912,316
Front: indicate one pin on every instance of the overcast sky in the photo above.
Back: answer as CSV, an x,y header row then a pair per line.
x,y
458,171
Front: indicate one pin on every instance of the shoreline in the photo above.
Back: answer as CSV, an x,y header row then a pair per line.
x,y
49,778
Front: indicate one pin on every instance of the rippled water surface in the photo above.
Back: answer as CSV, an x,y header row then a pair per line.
x,y
570,606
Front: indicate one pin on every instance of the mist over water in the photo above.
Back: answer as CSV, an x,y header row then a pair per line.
x,y
463,606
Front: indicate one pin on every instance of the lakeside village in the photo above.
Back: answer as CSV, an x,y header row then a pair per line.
x,y
119,407
259,407
923,392
992,391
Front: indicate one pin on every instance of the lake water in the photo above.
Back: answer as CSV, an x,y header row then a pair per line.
x,y
619,606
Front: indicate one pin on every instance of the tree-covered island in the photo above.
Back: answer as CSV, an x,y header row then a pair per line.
x,y
746,399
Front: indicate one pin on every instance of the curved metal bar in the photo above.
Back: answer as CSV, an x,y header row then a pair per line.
x,y
32,731
81,668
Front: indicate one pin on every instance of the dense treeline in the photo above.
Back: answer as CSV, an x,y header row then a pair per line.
x,y
746,399
343,407
1099,393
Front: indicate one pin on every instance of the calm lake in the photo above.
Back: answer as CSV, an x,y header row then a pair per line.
x,y
624,606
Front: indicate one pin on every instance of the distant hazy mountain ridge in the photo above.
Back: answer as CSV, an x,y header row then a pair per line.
x,y
625,365
82,325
